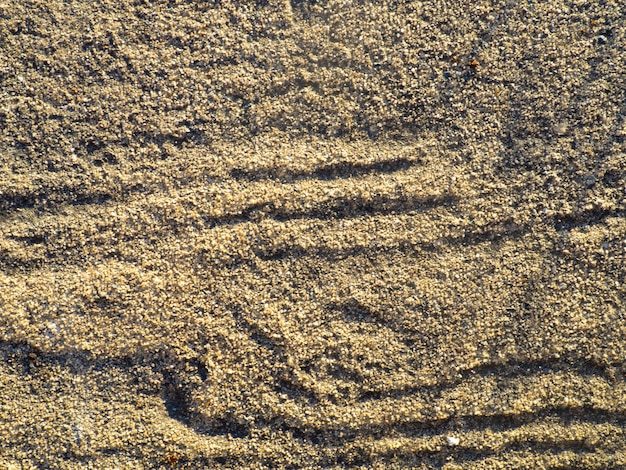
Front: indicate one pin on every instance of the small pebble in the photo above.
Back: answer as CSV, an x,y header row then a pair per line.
x,y
452,441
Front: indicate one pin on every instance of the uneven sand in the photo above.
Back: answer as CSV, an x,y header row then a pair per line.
x,y
312,234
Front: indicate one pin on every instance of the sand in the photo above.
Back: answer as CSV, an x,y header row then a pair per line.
x,y
312,234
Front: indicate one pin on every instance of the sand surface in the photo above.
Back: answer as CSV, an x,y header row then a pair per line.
x,y
312,234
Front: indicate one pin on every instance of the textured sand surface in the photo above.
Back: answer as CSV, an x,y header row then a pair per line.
x,y
312,234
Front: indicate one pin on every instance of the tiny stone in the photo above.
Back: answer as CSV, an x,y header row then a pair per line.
x,y
561,128
452,441
602,40
590,180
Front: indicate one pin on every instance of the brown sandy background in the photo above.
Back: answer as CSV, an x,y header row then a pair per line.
x,y
312,234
